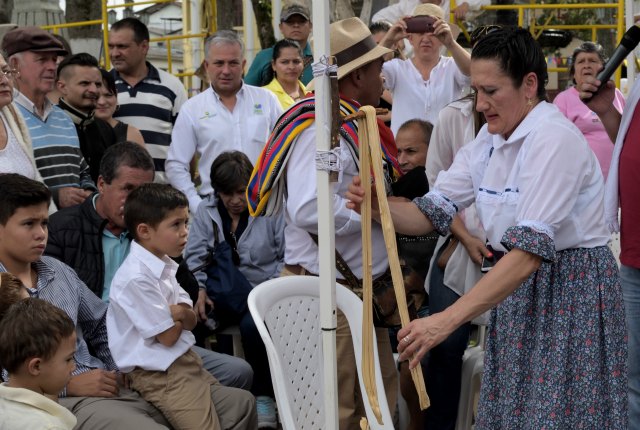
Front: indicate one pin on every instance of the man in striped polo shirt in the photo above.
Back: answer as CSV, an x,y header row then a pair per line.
x,y
149,98
33,53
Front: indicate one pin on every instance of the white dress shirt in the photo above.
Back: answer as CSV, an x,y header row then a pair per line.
x,y
544,177
207,128
142,290
301,213
416,98
454,129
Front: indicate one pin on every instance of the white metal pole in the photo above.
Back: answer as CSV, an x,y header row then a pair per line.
x,y
631,59
276,8
326,227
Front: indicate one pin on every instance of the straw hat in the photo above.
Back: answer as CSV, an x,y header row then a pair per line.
x,y
353,46
436,11
429,9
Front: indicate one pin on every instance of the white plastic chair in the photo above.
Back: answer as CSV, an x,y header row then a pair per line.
x,y
472,371
286,313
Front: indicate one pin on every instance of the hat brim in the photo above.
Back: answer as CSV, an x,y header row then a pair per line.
x,y
361,61
60,52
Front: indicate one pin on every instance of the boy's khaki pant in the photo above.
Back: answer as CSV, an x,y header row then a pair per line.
x,y
182,393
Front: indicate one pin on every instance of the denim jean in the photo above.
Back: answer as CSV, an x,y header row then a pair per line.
x,y
630,280
444,362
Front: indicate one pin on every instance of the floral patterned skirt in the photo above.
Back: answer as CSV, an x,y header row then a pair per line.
x,y
556,353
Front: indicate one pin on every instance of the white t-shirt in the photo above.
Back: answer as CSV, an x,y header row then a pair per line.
x,y
142,290
413,97
543,177
206,127
301,213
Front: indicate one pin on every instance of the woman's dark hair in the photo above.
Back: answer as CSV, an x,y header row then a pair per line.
x,y
109,81
379,26
518,54
586,47
230,171
269,74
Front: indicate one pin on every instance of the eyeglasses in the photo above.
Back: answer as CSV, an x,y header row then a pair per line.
x,y
10,73
482,31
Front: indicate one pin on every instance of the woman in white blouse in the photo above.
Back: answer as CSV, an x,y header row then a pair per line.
x,y
556,351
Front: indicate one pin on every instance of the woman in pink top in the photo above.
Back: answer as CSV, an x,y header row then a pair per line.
x,y
587,60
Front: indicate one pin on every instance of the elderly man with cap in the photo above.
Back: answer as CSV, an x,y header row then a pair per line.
x,y
294,175
33,53
295,24
429,81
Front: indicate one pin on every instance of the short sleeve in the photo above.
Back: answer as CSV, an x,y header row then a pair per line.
x,y
555,164
142,301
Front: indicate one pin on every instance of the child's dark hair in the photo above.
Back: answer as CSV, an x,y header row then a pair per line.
x,y
150,204
18,192
32,328
11,291
268,73
230,171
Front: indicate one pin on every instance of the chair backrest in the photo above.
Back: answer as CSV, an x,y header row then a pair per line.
x,y
287,314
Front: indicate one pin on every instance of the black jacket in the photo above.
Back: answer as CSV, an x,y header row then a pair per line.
x,y
75,238
94,134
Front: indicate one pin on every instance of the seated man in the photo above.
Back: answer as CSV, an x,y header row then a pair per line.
x,y
94,393
93,239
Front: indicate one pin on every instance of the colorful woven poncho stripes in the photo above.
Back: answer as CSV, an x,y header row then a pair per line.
x,y
266,186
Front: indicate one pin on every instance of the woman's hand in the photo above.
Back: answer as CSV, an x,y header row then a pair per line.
x,y
200,307
355,194
442,31
421,335
601,102
476,249
460,12
396,33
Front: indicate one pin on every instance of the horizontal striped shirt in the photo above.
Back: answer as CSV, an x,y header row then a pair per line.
x,y
59,285
56,147
152,106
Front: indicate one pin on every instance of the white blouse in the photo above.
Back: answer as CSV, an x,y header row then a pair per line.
x,y
13,159
544,177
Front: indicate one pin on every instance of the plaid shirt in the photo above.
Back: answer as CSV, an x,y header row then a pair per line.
x,y
59,285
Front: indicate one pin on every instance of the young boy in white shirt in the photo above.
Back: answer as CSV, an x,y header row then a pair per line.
x,y
150,317
37,345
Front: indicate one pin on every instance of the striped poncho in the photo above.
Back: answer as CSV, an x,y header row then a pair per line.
x,y
266,186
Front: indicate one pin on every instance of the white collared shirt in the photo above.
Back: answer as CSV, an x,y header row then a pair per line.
x,y
25,102
416,98
141,292
206,127
543,177
24,409
301,214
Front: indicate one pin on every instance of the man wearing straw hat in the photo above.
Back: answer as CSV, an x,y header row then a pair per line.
x,y
292,148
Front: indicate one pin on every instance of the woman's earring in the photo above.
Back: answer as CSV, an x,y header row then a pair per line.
x,y
117,107
529,102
